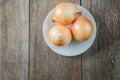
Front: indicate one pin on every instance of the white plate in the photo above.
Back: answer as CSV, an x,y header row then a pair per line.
x,y
75,47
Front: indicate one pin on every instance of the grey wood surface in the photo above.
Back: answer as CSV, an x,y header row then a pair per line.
x,y
102,60
24,54
14,39
44,63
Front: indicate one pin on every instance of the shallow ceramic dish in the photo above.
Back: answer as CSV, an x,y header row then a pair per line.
x,y
75,47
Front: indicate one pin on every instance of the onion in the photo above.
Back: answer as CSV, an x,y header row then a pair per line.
x,y
82,28
65,13
60,35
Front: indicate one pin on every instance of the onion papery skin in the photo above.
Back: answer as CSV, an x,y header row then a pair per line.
x,y
60,35
65,13
82,28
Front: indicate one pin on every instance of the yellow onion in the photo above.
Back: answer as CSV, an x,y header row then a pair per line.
x,y
82,28
60,35
65,13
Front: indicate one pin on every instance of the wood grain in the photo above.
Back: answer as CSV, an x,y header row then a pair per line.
x,y
101,61
1,75
24,54
44,63
14,39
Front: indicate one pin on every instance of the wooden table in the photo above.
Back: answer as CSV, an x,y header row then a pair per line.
x,y
24,54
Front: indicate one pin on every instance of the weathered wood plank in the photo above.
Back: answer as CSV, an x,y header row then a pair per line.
x,y
14,39
1,75
101,61
44,63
